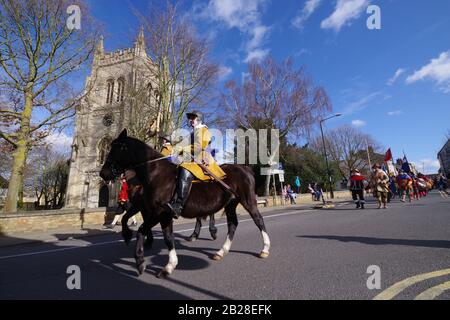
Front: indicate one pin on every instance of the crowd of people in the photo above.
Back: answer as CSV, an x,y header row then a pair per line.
x,y
387,186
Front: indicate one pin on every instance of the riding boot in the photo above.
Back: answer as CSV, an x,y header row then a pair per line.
x,y
182,192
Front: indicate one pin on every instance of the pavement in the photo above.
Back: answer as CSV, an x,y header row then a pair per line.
x,y
340,253
61,234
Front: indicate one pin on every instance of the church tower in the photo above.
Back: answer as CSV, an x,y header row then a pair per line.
x,y
103,113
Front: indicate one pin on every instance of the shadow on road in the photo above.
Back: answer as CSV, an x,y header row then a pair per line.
x,y
107,269
445,244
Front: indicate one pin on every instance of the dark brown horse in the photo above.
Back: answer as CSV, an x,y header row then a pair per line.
x,y
206,198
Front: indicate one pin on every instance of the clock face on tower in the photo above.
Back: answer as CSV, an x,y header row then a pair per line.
x,y
108,119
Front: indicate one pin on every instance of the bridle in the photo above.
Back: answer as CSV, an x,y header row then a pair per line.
x,y
117,169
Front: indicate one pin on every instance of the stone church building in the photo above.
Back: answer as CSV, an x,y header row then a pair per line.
x,y
105,110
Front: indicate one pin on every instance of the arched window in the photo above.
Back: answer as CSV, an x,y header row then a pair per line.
x,y
103,196
110,91
103,149
120,89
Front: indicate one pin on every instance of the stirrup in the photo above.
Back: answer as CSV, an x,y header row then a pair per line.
x,y
175,214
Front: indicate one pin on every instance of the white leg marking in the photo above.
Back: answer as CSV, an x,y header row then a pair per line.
x,y
266,241
173,261
225,248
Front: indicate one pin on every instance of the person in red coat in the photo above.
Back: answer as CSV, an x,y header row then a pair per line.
x,y
357,183
123,204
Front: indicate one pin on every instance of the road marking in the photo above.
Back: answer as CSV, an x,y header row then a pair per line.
x,y
397,288
118,241
434,292
443,194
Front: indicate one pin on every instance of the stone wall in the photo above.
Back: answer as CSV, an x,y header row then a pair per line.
x,y
36,221
53,219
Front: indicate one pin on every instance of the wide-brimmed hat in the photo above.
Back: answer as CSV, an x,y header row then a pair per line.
x,y
355,170
166,137
195,113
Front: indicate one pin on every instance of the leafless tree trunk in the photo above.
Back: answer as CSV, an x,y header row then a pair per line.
x,y
275,96
184,74
348,146
38,52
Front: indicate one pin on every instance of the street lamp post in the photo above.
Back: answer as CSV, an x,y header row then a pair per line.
x,y
325,152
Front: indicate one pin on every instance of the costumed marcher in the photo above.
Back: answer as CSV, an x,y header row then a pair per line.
x,y
404,183
357,183
192,169
123,202
380,185
392,188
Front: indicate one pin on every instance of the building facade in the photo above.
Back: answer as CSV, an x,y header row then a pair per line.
x,y
444,158
103,113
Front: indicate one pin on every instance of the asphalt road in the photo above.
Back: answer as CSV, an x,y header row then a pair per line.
x,y
315,254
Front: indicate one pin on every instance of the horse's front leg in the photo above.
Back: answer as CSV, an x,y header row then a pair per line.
x,y
212,227
127,234
139,250
167,229
198,225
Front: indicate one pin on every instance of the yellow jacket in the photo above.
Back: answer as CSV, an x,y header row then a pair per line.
x,y
166,149
200,139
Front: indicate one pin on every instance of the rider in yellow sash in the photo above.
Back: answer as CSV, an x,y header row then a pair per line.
x,y
166,149
188,171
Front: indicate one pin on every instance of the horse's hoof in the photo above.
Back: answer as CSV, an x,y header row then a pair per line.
x,y
214,236
141,268
163,274
217,257
264,255
192,238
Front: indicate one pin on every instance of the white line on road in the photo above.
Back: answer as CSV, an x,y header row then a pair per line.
x,y
118,241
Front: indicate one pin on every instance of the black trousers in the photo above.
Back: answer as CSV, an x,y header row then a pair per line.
x,y
358,196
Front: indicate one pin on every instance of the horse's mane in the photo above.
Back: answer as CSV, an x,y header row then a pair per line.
x,y
140,145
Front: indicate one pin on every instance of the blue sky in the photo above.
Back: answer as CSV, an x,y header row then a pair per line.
x,y
393,83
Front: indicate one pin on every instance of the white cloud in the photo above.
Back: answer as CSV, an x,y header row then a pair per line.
x,y
224,72
395,113
60,142
258,33
301,52
245,16
427,166
362,103
438,70
358,123
308,9
257,54
345,11
397,74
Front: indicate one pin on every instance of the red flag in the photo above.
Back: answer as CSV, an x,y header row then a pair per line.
x,y
388,155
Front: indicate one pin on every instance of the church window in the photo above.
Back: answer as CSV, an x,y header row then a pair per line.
x,y
121,89
110,91
108,119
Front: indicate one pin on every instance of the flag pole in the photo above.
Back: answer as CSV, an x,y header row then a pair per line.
x,y
368,155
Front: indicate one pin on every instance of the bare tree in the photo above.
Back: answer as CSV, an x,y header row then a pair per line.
x,y
38,53
276,96
47,175
349,148
144,108
184,74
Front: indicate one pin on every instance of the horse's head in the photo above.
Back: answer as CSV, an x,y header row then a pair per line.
x,y
118,158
